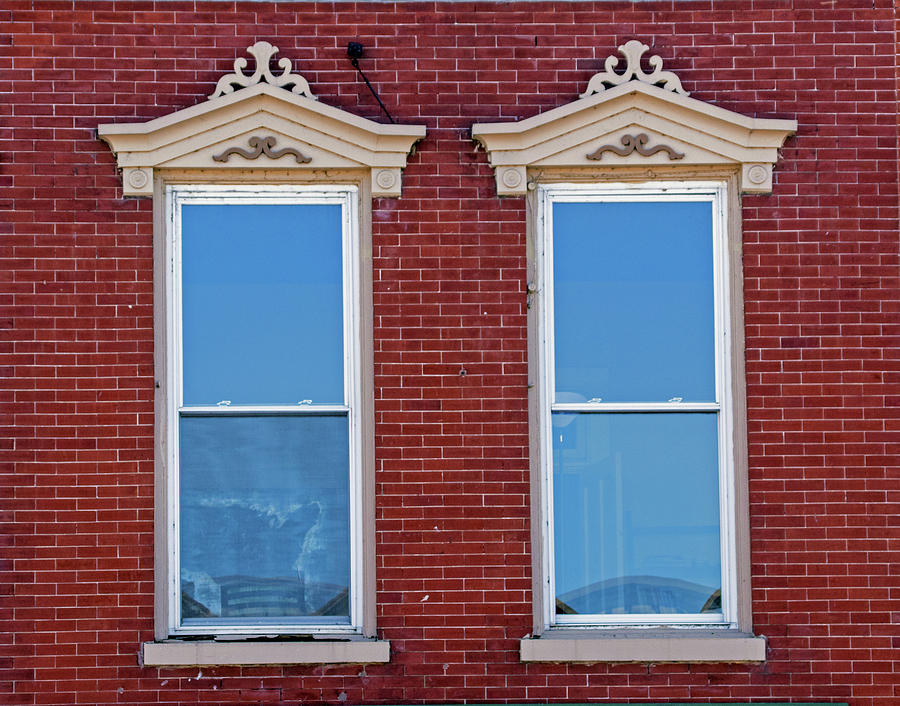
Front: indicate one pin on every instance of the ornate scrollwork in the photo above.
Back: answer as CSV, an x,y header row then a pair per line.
x,y
635,143
632,50
262,145
263,53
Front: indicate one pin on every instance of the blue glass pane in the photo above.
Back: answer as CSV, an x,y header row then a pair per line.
x,y
636,513
262,307
633,293
264,513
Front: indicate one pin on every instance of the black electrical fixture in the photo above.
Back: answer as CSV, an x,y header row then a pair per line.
x,y
354,53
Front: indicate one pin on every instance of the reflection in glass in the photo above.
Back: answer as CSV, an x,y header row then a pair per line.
x,y
633,301
636,513
262,306
264,514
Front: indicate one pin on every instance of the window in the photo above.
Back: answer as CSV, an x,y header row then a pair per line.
x,y
639,459
264,404
635,405
640,516
265,490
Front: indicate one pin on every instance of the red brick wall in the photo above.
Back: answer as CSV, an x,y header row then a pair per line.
x,y
821,287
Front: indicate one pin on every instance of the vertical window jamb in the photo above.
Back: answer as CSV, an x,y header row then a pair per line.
x,y
351,325
546,393
721,294
174,394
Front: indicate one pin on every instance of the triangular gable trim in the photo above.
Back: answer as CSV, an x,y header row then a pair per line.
x,y
615,111
262,107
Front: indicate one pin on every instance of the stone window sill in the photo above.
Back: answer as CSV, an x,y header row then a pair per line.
x,y
200,653
664,645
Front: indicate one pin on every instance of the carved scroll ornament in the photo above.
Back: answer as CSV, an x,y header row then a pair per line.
x,y
632,50
262,145
262,52
635,143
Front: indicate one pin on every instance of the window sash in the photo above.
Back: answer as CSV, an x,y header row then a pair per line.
x,y
347,197
716,194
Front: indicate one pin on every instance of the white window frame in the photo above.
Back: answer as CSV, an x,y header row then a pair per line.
x,y
347,196
717,194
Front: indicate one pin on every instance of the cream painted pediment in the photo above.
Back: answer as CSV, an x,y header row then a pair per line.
x,y
261,125
627,120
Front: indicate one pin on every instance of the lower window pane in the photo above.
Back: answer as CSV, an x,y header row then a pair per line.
x,y
636,513
264,519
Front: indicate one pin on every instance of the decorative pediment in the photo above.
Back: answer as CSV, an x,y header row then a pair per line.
x,y
261,121
627,120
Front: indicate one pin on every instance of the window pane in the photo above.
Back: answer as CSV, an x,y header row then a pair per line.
x,y
636,513
262,307
264,516
633,301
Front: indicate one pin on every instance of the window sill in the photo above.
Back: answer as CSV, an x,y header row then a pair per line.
x,y
663,645
205,653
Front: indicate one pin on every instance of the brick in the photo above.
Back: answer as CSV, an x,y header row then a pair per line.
x,y
821,301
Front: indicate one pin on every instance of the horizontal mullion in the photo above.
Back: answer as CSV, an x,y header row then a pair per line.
x,y
282,410
635,407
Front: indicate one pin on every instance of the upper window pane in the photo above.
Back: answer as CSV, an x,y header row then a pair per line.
x,y
262,307
633,301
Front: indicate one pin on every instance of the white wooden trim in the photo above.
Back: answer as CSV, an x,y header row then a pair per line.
x,y
329,138
715,193
706,135
348,198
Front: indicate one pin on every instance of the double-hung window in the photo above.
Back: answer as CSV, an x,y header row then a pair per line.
x,y
635,408
264,401
264,515
640,513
